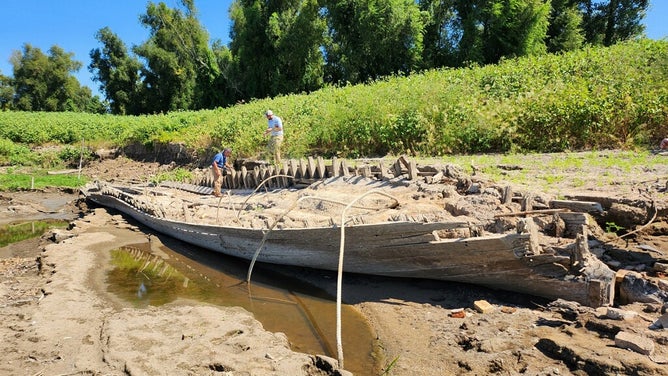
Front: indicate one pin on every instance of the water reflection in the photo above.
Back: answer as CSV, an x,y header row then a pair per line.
x,y
16,232
154,274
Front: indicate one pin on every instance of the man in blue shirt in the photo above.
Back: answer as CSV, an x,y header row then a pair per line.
x,y
220,167
275,128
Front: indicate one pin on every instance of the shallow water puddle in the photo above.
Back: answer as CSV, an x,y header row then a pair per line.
x,y
155,274
16,232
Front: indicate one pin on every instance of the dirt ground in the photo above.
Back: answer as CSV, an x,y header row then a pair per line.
x,y
56,321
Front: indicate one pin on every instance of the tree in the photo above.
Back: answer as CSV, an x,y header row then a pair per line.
x,y
373,38
45,82
514,28
276,46
608,22
441,36
180,66
467,24
6,92
118,74
227,83
565,31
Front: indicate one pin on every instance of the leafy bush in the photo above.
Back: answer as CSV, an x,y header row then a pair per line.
x,y
595,98
178,174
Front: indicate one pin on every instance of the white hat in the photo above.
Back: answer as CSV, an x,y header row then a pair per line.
x,y
268,113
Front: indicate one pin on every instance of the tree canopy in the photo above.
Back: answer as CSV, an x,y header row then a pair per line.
x,y
293,46
44,82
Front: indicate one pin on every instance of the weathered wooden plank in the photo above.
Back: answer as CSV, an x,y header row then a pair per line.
x,y
507,195
527,202
578,206
321,172
542,211
397,168
294,169
336,167
412,170
403,160
344,168
303,169
256,176
310,165
243,178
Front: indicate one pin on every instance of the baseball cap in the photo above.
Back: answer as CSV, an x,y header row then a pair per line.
x,y
268,113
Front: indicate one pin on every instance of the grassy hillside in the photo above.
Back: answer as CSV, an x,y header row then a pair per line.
x,y
596,98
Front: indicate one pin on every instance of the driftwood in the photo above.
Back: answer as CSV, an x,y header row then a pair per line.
x,y
542,211
577,206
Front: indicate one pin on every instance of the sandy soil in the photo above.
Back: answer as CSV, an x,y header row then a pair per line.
x,y
56,320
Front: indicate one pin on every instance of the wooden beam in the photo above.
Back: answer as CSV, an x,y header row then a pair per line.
x,y
525,212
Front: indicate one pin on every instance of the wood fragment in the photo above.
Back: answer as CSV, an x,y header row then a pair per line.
x,y
525,212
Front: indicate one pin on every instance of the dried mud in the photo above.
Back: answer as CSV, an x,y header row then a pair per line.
x,y
56,321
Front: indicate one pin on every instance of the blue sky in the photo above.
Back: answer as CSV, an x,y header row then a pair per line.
x,y
72,24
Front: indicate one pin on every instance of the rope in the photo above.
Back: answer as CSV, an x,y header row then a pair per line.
x,y
266,234
656,211
339,277
339,280
243,205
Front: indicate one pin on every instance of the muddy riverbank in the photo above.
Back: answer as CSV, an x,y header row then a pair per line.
x,y
58,323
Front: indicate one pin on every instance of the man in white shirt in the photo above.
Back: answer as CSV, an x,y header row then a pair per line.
x,y
275,129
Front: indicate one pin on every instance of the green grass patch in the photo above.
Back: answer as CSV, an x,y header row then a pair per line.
x,y
22,181
178,174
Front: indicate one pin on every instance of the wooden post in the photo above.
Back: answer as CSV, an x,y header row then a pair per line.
x,y
336,167
256,176
381,166
320,168
507,195
311,168
397,168
344,168
244,176
303,170
412,170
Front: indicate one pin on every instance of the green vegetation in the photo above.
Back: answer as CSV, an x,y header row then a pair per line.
x,y
286,47
553,168
12,181
13,233
596,98
178,174
613,227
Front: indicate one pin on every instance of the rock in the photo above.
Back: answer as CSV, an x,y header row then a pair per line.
x,y
620,314
483,306
330,365
662,322
660,267
58,235
663,284
474,188
635,288
458,313
633,342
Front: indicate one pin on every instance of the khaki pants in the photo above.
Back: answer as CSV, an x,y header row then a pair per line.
x,y
275,148
217,180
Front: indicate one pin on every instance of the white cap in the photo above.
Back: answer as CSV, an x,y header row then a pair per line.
x,y
268,113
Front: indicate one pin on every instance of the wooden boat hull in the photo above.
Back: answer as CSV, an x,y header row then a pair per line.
x,y
395,249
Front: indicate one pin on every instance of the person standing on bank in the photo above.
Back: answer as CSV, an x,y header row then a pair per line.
x,y
220,167
275,129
